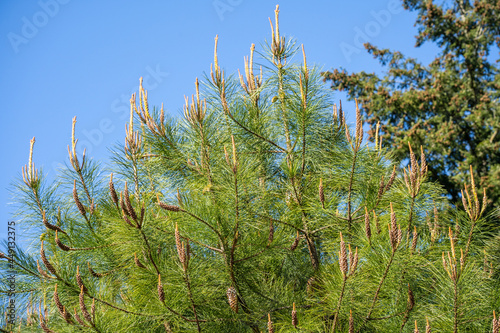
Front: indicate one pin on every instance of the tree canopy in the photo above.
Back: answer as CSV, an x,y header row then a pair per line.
x,y
450,106
259,210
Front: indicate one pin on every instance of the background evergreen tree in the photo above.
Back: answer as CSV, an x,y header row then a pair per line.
x,y
450,106
259,210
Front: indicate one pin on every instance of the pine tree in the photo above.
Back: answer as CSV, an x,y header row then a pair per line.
x,y
259,210
449,106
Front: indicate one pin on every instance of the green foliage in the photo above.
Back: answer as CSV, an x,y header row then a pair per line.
x,y
258,211
450,106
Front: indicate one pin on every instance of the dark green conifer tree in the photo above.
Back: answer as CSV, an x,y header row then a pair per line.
x,y
450,106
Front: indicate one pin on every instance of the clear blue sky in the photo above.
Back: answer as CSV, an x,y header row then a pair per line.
x,y
66,58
